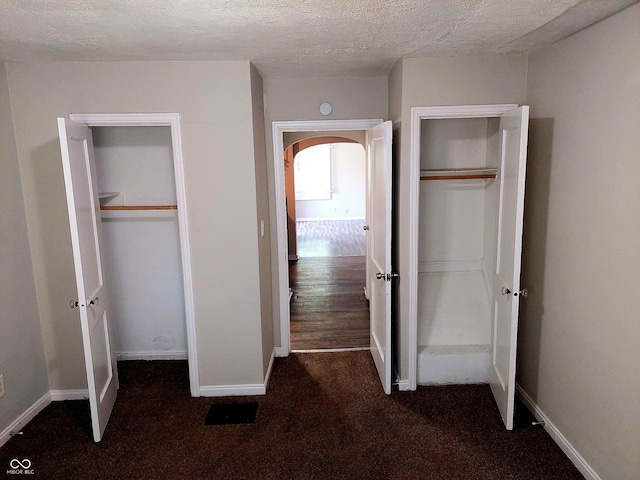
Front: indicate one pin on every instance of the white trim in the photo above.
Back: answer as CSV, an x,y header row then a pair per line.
x,y
232,390
25,418
454,364
450,266
62,395
418,114
269,368
278,129
183,355
171,120
404,385
578,460
326,219
331,350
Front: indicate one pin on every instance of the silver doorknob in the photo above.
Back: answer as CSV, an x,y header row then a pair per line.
x,y
505,291
95,301
380,276
365,228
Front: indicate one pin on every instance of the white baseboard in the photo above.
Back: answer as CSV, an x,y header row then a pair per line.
x,y
557,436
404,385
61,395
25,418
450,266
232,390
240,390
269,368
454,364
326,219
178,355
330,350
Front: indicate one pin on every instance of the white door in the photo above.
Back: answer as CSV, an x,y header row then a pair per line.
x,y
506,284
379,273
76,145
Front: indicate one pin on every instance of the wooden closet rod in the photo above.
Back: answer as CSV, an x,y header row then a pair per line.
x,y
459,174
489,176
138,207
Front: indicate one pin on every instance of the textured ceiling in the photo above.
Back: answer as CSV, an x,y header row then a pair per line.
x,y
288,37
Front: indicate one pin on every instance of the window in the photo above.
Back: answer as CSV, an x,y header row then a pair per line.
x,y
312,173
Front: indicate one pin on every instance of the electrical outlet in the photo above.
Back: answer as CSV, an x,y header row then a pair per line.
x,y
1,385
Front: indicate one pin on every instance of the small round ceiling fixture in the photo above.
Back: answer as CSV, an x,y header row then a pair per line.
x,y
326,109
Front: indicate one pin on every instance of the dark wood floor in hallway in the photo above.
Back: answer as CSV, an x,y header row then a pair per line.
x,y
328,308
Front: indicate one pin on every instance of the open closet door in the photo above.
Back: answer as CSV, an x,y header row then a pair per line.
x,y
379,250
506,284
76,145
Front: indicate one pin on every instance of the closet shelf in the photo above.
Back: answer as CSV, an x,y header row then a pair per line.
x,y
105,195
459,174
138,207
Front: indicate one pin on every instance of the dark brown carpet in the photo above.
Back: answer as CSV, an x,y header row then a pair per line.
x,y
324,417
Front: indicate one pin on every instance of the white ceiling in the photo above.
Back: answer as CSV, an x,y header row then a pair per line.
x,y
288,37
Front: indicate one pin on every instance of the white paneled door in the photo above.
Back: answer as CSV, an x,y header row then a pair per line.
x,y
76,145
379,275
506,284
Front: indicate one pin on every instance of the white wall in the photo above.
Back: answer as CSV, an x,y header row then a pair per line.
x,y
453,305
22,360
214,100
348,184
580,329
141,249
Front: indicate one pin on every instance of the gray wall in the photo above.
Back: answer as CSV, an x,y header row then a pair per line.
x,y
288,99
22,360
262,210
430,82
214,100
580,326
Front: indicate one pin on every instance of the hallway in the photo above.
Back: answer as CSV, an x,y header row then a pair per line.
x,y
328,307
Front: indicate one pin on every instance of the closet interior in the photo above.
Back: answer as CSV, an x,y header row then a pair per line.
x,y
459,193
141,244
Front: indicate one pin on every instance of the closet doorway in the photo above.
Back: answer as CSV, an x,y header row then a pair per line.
x,y
127,211
466,213
326,213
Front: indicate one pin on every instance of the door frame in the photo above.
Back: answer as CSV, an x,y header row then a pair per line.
x,y
418,114
171,120
278,130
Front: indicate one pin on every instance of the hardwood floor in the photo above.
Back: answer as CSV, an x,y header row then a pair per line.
x,y
328,308
331,238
